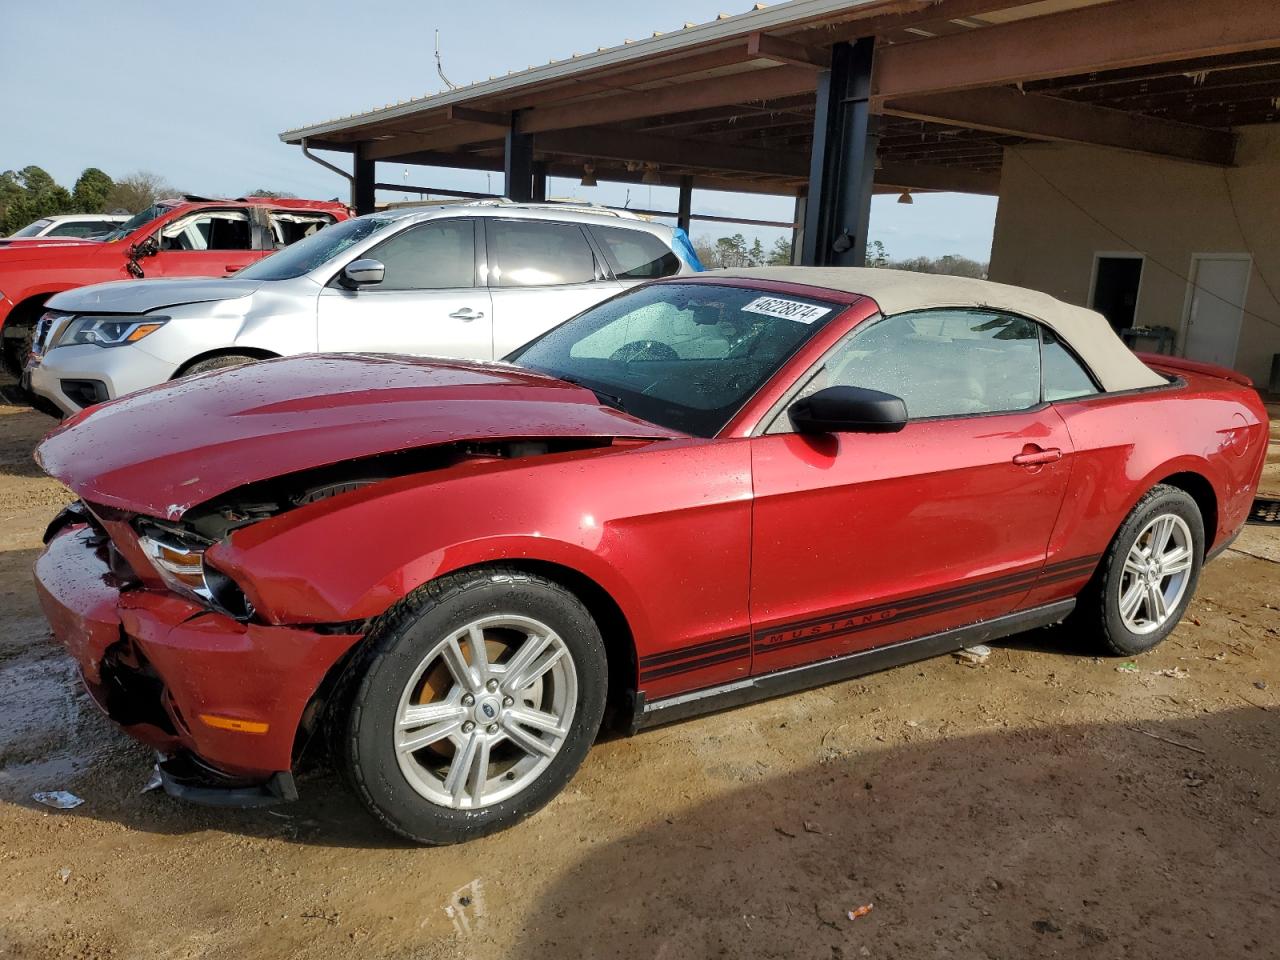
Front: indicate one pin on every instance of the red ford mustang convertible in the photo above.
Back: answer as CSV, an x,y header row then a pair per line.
x,y
702,492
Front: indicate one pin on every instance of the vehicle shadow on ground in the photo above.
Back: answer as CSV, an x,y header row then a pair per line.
x,y
105,767
1072,840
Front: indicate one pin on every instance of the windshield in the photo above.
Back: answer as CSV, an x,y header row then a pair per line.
x,y
137,220
682,355
31,229
315,250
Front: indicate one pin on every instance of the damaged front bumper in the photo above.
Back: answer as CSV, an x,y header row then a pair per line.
x,y
224,701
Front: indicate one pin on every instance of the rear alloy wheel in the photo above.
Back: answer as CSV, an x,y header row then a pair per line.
x,y
480,697
1149,573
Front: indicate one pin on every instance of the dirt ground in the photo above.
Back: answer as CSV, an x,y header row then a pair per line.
x,y
1044,804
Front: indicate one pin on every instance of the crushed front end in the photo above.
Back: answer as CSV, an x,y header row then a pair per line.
x,y
225,699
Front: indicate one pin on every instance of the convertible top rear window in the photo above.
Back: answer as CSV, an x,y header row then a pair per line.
x,y
682,355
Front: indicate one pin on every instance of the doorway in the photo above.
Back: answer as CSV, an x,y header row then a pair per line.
x,y
1117,278
1215,306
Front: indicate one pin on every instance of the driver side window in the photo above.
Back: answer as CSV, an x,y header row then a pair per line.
x,y
942,363
209,230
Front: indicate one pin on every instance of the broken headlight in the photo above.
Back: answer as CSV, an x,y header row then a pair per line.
x,y
180,565
107,331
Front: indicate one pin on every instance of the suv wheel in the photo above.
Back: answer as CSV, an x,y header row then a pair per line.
x,y
475,701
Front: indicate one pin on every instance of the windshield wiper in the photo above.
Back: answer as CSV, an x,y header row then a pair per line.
x,y
608,399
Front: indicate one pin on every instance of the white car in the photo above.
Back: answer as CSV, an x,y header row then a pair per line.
x,y
470,280
76,226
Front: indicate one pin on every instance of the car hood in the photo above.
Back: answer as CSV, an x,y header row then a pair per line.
x,y
163,450
143,296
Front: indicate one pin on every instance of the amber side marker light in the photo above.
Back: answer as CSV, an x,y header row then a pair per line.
x,y
233,723
142,330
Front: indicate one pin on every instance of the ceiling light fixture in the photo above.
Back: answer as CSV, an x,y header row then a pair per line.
x,y
906,197
588,175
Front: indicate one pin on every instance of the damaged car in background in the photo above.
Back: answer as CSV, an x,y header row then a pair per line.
x,y
705,491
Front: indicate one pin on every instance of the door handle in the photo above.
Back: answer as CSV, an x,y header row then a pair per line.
x,y
467,314
1034,456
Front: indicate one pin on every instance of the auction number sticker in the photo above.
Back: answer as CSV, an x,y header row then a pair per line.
x,y
786,309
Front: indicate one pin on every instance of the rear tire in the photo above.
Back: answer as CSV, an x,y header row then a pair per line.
x,y
1148,574
444,737
219,363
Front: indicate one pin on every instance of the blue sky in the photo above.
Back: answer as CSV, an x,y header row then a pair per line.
x,y
200,98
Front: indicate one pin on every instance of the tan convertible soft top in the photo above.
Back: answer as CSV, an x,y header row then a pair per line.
x,y
898,291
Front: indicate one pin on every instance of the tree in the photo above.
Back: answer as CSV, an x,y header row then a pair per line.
x,y
28,195
91,191
270,194
780,253
137,191
876,255
952,265
35,180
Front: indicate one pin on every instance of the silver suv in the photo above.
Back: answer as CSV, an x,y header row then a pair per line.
x,y
472,280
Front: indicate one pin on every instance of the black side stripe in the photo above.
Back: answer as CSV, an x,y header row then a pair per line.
x,y
725,649
738,653
911,613
711,646
1025,577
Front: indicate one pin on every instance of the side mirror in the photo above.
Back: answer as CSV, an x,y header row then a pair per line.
x,y
362,273
145,248
848,410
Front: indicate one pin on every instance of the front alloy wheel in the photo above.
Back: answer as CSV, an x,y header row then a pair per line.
x,y
471,704
486,712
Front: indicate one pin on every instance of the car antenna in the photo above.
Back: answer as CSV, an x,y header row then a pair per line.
x,y
440,67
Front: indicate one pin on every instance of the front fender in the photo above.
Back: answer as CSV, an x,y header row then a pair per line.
x,y
667,522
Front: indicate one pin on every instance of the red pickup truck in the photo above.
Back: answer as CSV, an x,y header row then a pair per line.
x,y
186,237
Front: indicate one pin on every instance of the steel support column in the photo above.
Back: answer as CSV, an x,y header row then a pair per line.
x,y
797,232
362,180
539,194
684,212
517,165
842,164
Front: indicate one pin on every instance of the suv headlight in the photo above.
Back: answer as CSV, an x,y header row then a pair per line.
x,y
107,331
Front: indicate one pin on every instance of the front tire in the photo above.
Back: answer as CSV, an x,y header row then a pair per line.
x,y
476,699
222,362
1148,574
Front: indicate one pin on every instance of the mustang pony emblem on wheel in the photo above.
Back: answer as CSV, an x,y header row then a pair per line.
x,y
704,491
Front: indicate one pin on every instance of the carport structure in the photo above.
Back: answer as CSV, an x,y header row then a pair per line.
x,y
830,101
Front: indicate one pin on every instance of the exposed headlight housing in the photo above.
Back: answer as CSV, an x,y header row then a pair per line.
x,y
107,331
179,565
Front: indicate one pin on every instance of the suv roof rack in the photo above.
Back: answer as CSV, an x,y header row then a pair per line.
x,y
577,206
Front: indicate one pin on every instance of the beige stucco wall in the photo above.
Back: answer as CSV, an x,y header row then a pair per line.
x,y
1062,203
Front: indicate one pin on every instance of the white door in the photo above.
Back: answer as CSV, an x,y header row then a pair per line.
x,y
1216,307
541,273
428,303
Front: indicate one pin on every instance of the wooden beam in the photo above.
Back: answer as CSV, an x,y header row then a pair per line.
x,y
441,140
484,118
1004,110
766,84
950,179
604,143
1110,36
573,170
761,46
